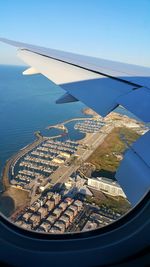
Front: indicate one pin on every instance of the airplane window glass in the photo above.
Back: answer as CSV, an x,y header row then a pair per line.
x,y
58,162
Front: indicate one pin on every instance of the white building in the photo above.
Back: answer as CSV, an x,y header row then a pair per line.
x,y
106,185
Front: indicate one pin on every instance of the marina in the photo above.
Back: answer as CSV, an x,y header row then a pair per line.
x,y
43,161
50,165
89,126
48,169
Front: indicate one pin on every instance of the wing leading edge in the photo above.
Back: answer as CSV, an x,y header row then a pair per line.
x,y
102,85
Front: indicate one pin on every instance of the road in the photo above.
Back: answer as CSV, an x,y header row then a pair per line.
x,y
80,220
63,172
93,141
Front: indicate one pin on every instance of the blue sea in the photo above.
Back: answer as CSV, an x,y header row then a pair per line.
x,y
27,104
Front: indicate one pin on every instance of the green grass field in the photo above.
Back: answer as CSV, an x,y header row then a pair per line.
x,y
104,157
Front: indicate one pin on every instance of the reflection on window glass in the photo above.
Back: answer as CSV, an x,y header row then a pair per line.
x,y
58,162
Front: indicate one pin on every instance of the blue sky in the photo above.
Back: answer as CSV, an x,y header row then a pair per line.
x,y
111,29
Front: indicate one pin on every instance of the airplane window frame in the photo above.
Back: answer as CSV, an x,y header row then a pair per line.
x,y
107,246
130,228
70,235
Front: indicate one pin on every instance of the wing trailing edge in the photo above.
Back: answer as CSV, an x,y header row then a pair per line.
x,y
102,85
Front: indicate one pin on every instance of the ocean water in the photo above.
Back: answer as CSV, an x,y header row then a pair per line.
x,y
27,104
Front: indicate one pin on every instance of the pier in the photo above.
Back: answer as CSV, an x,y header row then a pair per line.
x,y
12,161
17,196
45,162
61,124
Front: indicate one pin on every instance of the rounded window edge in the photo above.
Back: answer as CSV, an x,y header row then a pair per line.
x,y
87,234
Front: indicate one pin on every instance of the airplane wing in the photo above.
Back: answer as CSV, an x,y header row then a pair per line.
x,y
102,85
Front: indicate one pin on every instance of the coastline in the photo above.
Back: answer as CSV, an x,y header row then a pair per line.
x,y
12,198
16,193
11,195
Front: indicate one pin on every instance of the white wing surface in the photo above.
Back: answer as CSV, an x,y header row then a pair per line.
x,y
102,85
